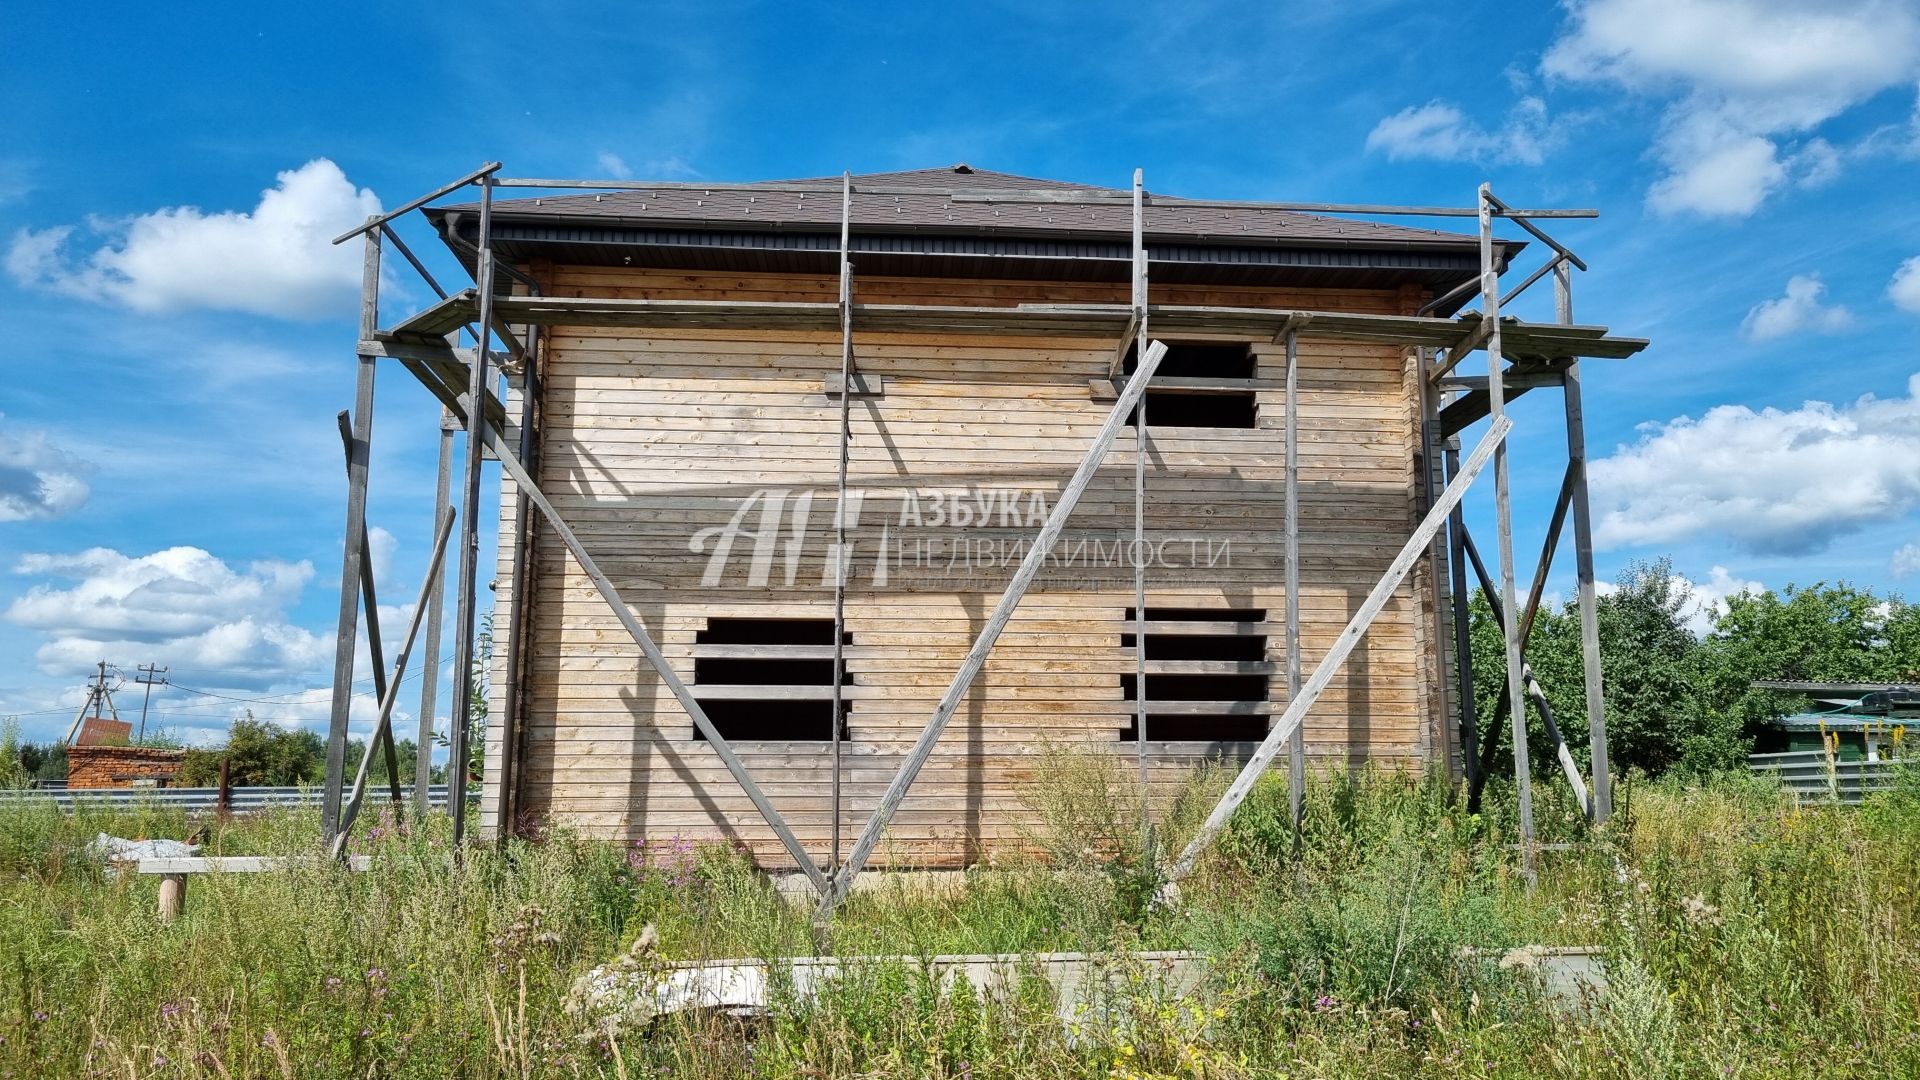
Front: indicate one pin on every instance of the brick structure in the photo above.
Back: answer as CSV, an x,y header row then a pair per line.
x,y
121,766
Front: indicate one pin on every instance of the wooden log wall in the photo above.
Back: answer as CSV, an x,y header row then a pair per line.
x,y
651,436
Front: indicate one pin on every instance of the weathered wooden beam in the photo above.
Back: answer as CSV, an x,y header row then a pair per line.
x,y
1503,522
1429,459
1137,326
1462,633
841,557
347,627
1089,196
1602,804
1100,321
1516,377
512,720
383,726
376,657
1477,402
1474,339
436,613
1003,611
865,384
1335,658
1297,743
466,615
375,222
1535,691
1501,209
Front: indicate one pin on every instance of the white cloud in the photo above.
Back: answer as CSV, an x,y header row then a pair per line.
x,y
1773,481
1749,80
1906,560
1707,600
38,479
613,166
275,260
182,606
1438,130
1799,311
1904,289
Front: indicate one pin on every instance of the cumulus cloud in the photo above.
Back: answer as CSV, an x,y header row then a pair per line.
x,y
1906,560
273,260
1773,481
38,479
1707,600
219,624
1904,289
1749,82
1439,131
1799,311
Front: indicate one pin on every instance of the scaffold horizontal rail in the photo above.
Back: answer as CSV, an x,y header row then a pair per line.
x,y
1522,339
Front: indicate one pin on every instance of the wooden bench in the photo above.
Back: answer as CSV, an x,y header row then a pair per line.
x,y
173,872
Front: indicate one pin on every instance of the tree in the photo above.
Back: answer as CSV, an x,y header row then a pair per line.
x,y
1646,653
258,754
1822,633
13,771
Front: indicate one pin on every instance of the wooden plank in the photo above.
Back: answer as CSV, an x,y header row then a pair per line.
x,y
1503,522
479,429
347,627
1602,805
839,556
1080,320
430,661
1297,743
248,864
390,693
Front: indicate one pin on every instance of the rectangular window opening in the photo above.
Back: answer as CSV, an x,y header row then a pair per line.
x,y
1223,698
768,680
1194,404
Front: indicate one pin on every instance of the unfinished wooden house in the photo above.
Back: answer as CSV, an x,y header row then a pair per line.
x,y
812,436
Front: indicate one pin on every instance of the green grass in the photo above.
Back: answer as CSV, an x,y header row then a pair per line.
x,y
1744,937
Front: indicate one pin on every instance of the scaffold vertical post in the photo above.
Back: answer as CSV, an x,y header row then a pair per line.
x,y
1503,523
346,640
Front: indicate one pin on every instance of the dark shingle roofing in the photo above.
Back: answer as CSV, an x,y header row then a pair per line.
x,y
939,213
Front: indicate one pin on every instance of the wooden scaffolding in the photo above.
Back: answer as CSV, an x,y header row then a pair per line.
x,y
459,347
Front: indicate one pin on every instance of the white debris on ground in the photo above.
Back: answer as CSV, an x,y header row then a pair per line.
x,y
115,849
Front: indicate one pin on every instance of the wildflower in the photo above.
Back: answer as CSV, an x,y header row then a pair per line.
x,y
1699,912
159,1060
332,984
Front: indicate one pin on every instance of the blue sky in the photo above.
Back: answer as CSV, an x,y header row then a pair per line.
x,y
170,479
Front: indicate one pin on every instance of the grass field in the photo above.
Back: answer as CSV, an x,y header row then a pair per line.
x,y
1743,936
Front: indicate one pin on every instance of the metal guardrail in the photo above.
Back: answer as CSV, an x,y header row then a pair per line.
x,y
1811,774
240,799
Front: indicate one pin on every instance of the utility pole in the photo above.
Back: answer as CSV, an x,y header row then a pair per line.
x,y
146,675
98,697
